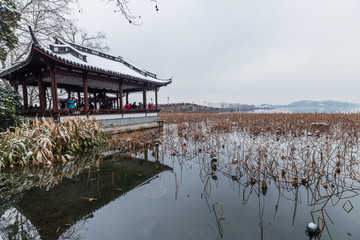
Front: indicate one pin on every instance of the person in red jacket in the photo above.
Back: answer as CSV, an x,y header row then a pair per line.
x,y
127,106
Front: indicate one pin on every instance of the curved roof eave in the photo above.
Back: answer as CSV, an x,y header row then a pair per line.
x,y
40,49
19,65
100,70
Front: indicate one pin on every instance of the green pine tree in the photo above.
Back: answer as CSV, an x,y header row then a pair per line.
x,y
9,18
10,107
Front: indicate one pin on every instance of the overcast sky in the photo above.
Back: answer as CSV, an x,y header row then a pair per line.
x,y
239,51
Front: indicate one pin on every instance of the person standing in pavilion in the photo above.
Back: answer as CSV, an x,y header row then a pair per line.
x,y
70,103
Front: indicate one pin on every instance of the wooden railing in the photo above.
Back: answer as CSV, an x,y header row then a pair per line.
x,y
78,112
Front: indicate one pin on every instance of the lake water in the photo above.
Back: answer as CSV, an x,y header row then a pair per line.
x,y
156,194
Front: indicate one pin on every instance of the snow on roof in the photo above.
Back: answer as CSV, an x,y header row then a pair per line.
x,y
74,53
88,58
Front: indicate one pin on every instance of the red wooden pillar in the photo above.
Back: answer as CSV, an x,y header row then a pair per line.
x,y
86,98
121,96
42,96
79,100
95,101
144,97
45,103
156,98
104,98
25,95
54,92
117,100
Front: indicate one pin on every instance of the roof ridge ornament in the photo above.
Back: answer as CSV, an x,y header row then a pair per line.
x,y
102,54
35,41
66,47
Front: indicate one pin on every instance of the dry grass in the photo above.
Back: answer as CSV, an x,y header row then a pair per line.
x,y
296,124
320,152
44,142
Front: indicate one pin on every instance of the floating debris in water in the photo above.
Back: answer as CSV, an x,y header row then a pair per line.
x,y
312,230
90,199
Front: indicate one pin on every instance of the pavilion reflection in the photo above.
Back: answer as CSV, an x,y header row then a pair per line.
x,y
48,213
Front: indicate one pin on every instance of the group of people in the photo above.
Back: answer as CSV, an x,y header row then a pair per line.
x,y
34,107
107,105
71,104
135,106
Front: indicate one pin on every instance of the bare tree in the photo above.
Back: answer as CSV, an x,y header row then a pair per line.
x,y
122,6
75,34
54,17
46,19
49,18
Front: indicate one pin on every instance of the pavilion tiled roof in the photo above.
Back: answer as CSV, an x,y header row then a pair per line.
x,y
89,59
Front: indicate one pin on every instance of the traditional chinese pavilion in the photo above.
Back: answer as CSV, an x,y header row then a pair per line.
x,y
93,77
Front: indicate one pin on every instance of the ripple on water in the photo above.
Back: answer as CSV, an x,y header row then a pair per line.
x,y
155,191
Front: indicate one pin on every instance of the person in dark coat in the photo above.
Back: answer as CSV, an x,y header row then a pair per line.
x,y
134,106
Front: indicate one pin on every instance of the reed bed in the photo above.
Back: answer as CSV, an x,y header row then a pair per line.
x,y
320,152
44,142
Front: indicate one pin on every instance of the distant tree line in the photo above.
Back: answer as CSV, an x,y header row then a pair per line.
x,y
238,106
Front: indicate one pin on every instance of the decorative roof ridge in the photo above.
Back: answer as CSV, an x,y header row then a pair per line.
x,y
61,47
110,57
58,56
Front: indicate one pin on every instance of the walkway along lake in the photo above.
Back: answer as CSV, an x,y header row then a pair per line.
x,y
195,180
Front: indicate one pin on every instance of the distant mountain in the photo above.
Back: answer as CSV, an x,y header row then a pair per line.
x,y
318,104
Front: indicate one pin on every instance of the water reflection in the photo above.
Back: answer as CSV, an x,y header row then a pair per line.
x,y
331,209
204,196
45,203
